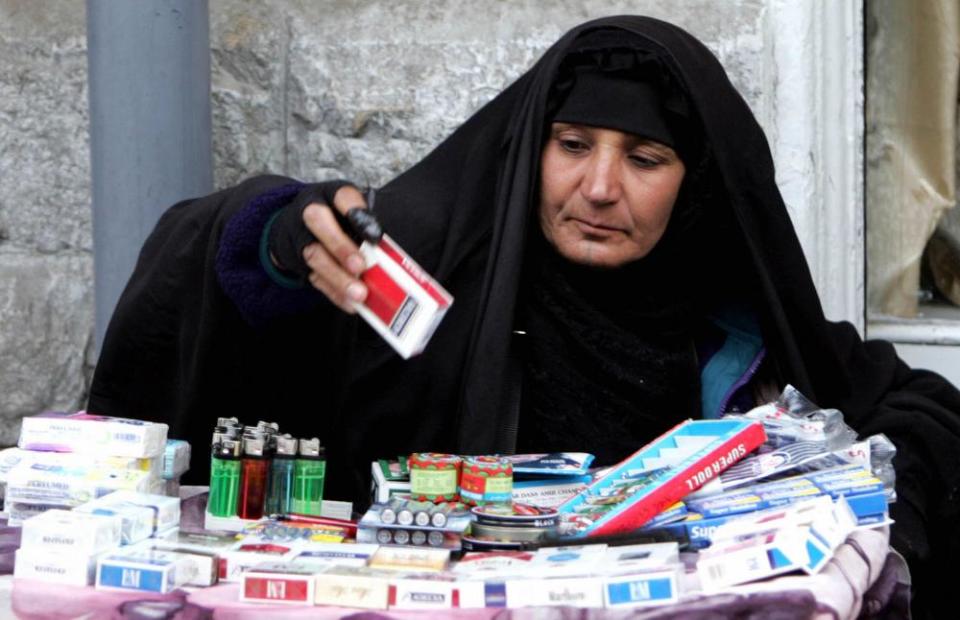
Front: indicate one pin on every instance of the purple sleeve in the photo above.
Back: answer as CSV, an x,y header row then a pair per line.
x,y
258,295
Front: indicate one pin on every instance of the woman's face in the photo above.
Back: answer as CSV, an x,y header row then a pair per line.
x,y
606,196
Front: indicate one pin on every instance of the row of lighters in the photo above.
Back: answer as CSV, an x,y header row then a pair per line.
x,y
254,470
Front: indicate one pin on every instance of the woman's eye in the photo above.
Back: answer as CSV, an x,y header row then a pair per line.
x,y
572,146
643,161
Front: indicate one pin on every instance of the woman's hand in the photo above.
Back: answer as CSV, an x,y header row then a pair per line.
x,y
334,260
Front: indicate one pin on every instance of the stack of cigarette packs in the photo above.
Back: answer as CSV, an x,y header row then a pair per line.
x,y
865,495
64,460
75,546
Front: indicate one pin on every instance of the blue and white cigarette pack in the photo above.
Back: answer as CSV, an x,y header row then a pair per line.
x,y
65,531
176,459
93,434
641,575
143,569
137,520
165,511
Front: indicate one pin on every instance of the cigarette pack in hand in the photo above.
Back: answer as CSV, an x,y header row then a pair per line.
x,y
404,304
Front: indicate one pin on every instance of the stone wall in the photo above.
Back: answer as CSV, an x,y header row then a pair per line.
x,y
345,88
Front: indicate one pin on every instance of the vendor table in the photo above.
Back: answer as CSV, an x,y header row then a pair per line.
x,y
863,580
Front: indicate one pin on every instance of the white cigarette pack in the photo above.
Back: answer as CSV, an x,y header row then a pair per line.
x,y
493,564
421,593
137,521
93,434
322,555
353,587
205,564
164,511
735,561
410,559
34,483
404,304
567,561
71,532
55,567
561,591
245,555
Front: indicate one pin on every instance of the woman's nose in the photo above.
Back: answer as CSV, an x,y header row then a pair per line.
x,y
601,183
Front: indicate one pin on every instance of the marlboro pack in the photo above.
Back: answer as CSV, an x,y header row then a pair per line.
x,y
562,592
278,582
404,304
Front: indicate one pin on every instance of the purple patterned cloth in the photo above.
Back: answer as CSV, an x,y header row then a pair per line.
x,y
864,580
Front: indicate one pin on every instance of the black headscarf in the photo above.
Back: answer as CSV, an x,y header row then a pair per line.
x,y
178,349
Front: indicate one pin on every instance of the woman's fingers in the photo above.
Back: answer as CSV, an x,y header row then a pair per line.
x,y
327,276
320,220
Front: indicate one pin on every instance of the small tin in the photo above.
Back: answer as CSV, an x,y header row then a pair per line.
x,y
472,543
486,480
434,477
401,537
418,537
516,515
384,536
435,539
513,534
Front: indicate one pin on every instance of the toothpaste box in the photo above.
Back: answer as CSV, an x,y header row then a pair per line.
x,y
63,531
404,304
658,475
93,434
73,569
278,582
10,457
35,483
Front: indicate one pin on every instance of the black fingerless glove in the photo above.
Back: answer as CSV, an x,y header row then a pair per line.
x,y
288,235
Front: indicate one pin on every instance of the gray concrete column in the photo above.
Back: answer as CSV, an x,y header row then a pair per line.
x,y
149,80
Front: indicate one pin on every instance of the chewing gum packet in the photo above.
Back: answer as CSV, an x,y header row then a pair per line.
x,y
404,304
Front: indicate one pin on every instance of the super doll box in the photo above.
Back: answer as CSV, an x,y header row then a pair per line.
x,y
659,474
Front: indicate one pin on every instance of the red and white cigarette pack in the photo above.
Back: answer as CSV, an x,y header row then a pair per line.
x,y
404,304
279,582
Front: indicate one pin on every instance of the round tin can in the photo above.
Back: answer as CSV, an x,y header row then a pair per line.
x,y
512,534
418,537
516,515
471,543
401,537
434,477
384,537
435,538
486,480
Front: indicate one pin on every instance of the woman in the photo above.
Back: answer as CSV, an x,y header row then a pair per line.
x,y
620,257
